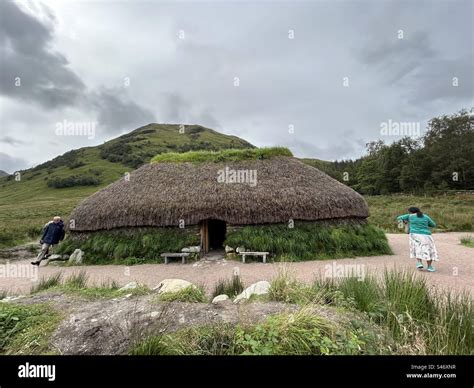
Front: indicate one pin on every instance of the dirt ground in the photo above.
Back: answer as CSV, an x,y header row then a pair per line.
x,y
455,270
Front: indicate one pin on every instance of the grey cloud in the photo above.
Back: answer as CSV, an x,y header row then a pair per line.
x,y
12,141
397,58
25,52
10,163
440,88
177,109
115,113
344,149
45,77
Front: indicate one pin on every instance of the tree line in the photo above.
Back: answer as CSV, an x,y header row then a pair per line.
x,y
442,159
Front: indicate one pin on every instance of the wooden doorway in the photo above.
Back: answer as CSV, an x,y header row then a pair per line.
x,y
213,234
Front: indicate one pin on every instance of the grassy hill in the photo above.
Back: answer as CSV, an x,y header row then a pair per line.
x,y
56,186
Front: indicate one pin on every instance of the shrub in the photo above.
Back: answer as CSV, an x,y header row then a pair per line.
x,y
73,180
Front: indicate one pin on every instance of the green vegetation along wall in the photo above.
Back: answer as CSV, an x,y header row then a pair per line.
x,y
310,240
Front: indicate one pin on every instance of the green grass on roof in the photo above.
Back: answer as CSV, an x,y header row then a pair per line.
x,y
230,155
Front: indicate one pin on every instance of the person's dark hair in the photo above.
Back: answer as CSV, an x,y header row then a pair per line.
x,y
415,210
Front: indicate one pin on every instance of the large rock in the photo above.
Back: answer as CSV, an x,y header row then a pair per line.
x,y
77,257
129,286
259,288
228,249
172,285
220,299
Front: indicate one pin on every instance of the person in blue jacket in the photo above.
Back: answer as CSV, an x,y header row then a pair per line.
x,y
422,246
53,233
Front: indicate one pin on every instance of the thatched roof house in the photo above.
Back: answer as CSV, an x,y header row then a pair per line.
x,y
243,192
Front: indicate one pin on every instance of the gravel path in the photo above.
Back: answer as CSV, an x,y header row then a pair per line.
x,y
455,270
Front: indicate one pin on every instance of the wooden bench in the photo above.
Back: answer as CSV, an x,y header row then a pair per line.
x,y
182,255
263,254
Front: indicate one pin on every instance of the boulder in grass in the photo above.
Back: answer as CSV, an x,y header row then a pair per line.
x,y
129,286
76,257
259,288
172,285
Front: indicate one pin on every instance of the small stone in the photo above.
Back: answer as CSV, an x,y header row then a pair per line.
x,y
11,298
129,286
220,299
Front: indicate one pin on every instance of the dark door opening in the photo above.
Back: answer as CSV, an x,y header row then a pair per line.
x,y
213,234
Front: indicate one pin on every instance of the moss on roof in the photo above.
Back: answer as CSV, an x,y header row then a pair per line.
x,y
229,155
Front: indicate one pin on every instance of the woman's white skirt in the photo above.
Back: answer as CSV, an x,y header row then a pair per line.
x,y
422,246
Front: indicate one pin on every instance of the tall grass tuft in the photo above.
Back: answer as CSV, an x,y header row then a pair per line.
x,y
231,288
419,318
468,241
192,294
46,283
366,294
409,298
77,280
452,330
196,340
284,288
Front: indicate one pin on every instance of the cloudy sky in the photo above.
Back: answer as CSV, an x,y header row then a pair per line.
x,y
317,76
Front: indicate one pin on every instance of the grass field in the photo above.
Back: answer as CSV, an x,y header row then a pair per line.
x,y
452,213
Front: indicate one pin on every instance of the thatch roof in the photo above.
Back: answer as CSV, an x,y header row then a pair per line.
x,y
162,194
